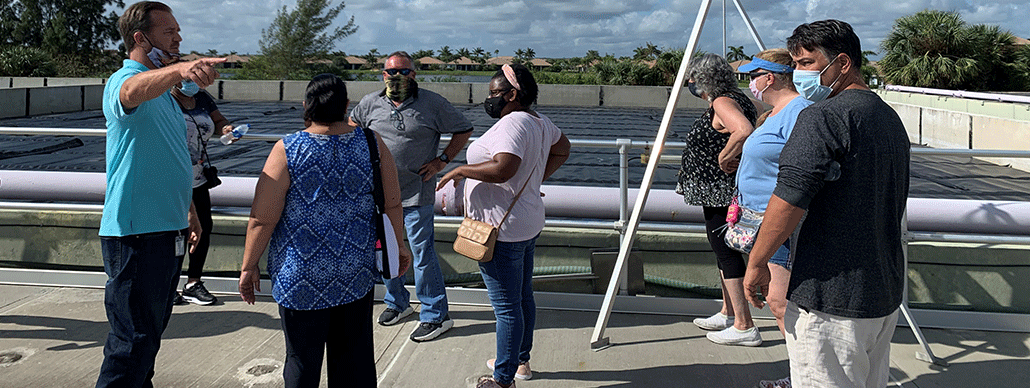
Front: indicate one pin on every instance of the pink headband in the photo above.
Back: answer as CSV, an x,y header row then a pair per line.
x,y
509,73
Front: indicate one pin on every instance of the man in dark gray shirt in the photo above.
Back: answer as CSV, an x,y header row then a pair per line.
x,y
846,163
410,121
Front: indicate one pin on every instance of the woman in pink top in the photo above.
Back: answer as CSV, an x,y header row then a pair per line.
x,y
521,150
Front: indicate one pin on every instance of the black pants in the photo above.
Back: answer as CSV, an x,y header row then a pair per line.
x,y
730,261
202,201
344,331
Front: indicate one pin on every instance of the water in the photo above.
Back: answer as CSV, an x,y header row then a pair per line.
x,y
460,78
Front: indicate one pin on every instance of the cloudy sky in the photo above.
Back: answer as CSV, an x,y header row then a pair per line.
x,y
569,28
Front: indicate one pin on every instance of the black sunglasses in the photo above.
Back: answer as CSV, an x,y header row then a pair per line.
x,y
395,71
759,74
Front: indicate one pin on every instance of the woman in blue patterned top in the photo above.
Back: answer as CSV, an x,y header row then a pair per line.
x,y
314,203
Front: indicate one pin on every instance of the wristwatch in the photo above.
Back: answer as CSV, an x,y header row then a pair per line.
x,y
443,157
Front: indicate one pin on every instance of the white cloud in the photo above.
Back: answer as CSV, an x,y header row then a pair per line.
x,y
569,28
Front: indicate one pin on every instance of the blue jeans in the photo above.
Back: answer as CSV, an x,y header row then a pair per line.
x,y
782,256
429,286
509,283
143,272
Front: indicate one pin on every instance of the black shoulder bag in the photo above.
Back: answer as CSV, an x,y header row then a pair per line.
x,y
386,249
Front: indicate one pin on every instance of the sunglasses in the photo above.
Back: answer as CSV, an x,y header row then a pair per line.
x,y
759,74
395,71
398,119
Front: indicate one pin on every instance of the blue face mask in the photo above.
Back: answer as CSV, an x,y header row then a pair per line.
x,y
810,83
189,88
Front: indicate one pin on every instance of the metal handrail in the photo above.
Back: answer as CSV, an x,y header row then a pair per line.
x,y
622,145
590,143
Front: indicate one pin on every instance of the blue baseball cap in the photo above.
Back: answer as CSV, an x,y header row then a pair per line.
x,y
759,63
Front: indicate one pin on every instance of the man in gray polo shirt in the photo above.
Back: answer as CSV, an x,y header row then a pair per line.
x,y
410,121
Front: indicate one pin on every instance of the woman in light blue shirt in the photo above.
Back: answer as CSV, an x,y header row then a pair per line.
x,y
771,83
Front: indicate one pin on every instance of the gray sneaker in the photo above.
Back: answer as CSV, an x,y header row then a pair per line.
x,y
427,330
391,316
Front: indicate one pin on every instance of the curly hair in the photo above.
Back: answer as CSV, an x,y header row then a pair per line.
x,y
712,75
526,96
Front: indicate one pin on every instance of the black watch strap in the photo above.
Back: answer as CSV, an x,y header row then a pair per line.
x,y
443,157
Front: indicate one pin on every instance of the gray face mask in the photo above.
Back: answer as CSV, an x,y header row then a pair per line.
x,y
399,87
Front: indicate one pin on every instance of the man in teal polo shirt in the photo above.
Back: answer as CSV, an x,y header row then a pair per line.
x,y
143,231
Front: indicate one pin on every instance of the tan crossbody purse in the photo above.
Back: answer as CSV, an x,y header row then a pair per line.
x,y
476,238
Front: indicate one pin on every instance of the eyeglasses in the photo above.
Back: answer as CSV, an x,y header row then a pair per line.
x,y
759,74
395,71
395,115
499,92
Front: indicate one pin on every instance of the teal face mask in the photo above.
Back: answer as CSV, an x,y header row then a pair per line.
x,y
810,85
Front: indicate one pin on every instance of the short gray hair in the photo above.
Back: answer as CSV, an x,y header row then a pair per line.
x,y
712,75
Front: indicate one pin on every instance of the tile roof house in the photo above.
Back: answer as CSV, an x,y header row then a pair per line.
x,y
428,63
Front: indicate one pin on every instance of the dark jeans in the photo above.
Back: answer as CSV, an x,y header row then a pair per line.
x,y
202,201
344,332
143,272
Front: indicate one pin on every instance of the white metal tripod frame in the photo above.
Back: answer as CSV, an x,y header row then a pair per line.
x,y
629,232
597,339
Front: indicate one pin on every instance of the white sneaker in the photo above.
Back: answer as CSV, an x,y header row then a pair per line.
x,y
718,321
732,336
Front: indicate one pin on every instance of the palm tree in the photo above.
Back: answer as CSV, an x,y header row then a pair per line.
x,y
464,52
422,54
445,54
480,56
868,71
647,52
520,56
934,49
736,53
371,58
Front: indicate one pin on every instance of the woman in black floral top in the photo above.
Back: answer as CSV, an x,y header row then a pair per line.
x,y
706,179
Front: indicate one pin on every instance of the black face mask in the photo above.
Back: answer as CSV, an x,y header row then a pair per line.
x,y
693,89
494,106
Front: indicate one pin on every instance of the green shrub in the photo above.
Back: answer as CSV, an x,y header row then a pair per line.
x,y
20,61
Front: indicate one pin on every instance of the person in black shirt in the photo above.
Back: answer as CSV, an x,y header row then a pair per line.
x,y
202,120
847,163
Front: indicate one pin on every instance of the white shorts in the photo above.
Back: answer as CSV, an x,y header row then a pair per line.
x,y
831,351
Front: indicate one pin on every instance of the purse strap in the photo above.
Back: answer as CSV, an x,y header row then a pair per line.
x,y
516,199
513,201
377,178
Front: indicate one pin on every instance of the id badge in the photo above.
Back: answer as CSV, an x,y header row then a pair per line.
x,y
180,245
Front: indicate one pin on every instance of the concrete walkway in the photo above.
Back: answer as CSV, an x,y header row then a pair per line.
x,y
53,337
